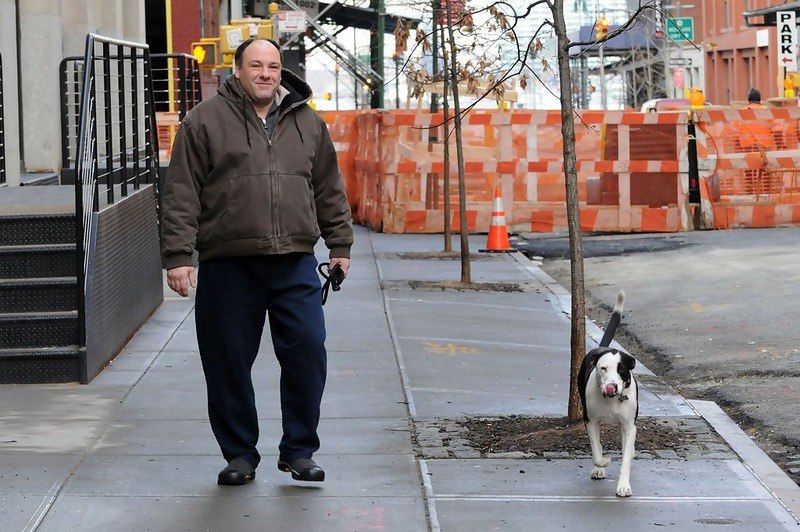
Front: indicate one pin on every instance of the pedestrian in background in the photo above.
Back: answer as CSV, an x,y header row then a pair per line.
x,y
253,183
754,99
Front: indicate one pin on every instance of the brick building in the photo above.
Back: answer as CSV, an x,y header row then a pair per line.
x,y
741,48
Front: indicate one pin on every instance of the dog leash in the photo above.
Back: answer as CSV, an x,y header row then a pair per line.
x,y
333,279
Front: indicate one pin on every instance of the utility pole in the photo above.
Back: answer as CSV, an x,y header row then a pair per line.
x,y
336,77
603,95
600,32
376,52
397,59
435,54
356,88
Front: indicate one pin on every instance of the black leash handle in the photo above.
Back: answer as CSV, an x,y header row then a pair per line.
x,y
333,279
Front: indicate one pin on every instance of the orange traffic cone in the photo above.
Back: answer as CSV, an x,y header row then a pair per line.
x,y
498,232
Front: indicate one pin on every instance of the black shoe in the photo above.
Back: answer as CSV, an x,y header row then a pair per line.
x,y
237,473
302,469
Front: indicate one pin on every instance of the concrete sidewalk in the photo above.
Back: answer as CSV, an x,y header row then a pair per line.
x,y
133,449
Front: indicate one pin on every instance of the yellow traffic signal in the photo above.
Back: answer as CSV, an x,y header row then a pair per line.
x,y
199,52
206,53
601,28
327,96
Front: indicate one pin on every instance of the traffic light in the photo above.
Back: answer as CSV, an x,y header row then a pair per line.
x,y
206,53
601,28
327,96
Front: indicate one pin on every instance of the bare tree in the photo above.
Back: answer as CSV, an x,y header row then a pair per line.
x,y
448,244
466,273
568,117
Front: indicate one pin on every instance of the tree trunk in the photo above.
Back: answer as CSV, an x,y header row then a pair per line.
x,y
466,276
578,336
448,243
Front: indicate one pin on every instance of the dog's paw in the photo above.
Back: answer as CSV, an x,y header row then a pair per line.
x,y
624,490
604,460
598,473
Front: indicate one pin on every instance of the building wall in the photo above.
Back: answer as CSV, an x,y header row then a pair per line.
x,y
49,31
8,48
734,60
186,25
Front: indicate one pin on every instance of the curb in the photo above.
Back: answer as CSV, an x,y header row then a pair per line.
x,y
774,479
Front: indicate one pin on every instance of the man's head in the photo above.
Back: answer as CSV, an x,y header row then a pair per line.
x,y
258,67
754,96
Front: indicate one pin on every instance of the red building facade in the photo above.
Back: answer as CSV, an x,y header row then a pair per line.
x,y
739,57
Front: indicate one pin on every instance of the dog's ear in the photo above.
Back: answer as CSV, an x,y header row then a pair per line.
x,y
628,362
592,356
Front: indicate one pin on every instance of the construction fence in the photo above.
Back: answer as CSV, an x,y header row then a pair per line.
x,y
632,169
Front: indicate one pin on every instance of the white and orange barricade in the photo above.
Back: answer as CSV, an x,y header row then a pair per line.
x,y
632,169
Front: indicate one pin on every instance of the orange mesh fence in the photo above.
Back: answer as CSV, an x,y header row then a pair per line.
x,y
753,165
167,126
343,129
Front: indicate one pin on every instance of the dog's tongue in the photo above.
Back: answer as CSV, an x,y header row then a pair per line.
x,y
610,389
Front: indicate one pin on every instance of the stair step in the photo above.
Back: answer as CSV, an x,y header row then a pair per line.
x,y
56,294
35,229
53,260
40,365
20,330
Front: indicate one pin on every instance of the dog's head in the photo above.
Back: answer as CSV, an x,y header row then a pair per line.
x,y
613,372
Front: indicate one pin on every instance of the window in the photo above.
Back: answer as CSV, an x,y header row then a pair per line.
x,y
725,16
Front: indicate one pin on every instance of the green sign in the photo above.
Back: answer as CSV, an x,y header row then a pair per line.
x,y
680,29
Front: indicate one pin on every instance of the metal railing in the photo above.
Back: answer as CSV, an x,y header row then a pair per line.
x,y
181,72
116,137
176,82
2,129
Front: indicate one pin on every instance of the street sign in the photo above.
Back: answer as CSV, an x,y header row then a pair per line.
x,y
309,6
680,61
787,41
680,29
292,21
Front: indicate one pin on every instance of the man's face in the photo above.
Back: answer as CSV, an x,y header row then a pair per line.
x,y
260,72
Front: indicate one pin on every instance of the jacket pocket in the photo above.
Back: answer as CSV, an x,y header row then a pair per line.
x,y
298,213
248,213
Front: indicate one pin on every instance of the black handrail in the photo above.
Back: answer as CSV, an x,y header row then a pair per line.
x,y
2,129
186,94
87,155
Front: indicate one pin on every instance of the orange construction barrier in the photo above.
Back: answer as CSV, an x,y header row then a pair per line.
x,y
498,232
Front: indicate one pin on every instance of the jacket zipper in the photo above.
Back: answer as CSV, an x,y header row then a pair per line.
x,y
273,177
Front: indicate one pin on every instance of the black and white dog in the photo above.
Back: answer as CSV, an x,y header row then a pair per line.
x,y
609,393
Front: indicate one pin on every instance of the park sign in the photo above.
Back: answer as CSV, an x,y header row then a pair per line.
x,y
787,41
680,29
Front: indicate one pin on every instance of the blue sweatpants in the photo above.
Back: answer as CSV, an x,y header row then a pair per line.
x,y
234,295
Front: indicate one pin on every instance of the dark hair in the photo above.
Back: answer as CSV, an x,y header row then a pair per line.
x,y
754,95
237,56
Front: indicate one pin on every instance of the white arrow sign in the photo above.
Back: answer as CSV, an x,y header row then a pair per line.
x,y
787,41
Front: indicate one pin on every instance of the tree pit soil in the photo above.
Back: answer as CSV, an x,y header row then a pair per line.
x,y
540,436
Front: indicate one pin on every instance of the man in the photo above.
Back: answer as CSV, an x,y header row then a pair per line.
x,y
755,135
754,99
253,183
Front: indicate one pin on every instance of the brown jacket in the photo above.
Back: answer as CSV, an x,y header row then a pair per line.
x,y
231,191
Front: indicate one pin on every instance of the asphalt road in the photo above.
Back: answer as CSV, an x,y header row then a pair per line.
x,y
716,313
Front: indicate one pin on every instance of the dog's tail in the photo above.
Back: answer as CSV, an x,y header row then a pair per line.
x,y
613,323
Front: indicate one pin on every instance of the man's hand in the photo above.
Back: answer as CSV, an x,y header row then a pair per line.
x,y
343,263
179,278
